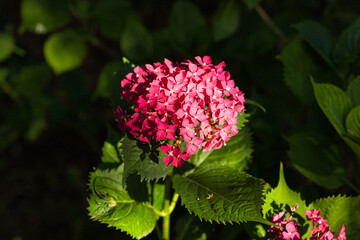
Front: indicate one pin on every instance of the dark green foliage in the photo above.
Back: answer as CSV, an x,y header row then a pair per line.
x,y
61,67
144,159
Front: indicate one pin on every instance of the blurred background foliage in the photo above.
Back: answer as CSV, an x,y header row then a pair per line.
x,y
57,62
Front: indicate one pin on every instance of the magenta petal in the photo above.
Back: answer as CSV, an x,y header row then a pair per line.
x,y
290,227
166,148
192,67
191,149
185,156
168,160
177,162
207,59
160,135
171,135
198,58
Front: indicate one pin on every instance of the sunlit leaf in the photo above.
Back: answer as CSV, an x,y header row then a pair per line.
x,y
281,199
110,155
340,210
226,20
7,46
221,194
235,154
64,51
42,16
110,203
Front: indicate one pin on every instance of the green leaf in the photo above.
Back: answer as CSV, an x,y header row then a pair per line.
x,y
334,103
138,159
110,154
340,210
7,46
242,119
298,66
252,102
252,3
136,41
318,37
226,20
42,16
316,160
189,32
353,122
347,47
236,154
111,16
281,198
221,194
110,203
64,51
105,86
115,85
353,91
137,189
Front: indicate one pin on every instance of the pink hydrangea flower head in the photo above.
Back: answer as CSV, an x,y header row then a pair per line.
x,y
195,103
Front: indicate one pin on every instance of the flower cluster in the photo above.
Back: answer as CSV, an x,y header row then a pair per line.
x,y
192,102
287,228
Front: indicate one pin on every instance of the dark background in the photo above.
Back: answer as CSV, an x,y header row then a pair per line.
x,y
53,124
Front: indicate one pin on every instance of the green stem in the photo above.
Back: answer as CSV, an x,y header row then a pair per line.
x,y
166,218
164,212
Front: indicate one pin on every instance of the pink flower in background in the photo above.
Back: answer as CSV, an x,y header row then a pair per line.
x,y
192,102
286,228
